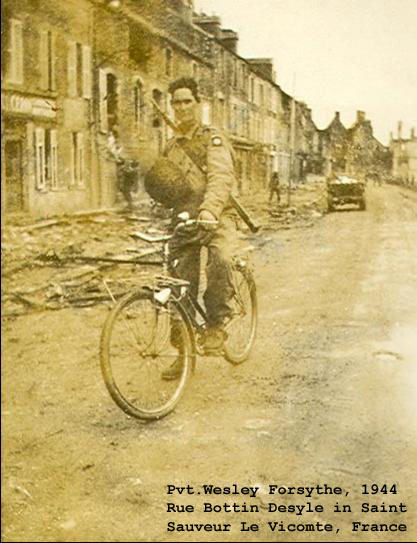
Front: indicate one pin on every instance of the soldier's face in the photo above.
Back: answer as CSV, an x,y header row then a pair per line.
x,y
184,105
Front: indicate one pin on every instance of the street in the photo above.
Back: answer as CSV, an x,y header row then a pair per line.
x,y
328,397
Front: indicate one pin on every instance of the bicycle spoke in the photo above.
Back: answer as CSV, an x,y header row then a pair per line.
x,y
137,352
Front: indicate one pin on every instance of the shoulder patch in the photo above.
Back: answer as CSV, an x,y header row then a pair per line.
x,y
216,140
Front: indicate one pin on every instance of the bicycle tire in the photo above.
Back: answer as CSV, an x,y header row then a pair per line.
x,y
245,305
134,322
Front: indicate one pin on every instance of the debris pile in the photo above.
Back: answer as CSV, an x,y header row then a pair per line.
x,y
73,261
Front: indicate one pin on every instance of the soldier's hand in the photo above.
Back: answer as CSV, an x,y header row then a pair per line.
x,y
209,221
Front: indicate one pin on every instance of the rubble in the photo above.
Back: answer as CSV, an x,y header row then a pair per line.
x,y
95,257
57,263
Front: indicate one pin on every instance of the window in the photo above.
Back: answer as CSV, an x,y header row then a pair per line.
x,y
108,100
234,73
40,158
51,158
252,89
77,160
138,103
47,60
195,70
15,74
168,62
261,95
158,97
79,70
234,119
46,158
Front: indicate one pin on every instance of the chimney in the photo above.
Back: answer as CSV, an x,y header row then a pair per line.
x,y
400,129
184,8
412,134
229,39
391,137
210,24
360,116
337,115
264,66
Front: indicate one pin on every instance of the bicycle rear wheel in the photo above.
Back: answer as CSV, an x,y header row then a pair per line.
x,y
241,329
142,338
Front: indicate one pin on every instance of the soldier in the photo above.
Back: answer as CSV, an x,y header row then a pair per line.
x,y
129,180
204,159
274,188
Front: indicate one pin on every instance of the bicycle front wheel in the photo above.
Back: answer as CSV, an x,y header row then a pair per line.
x,y
241,329
142,339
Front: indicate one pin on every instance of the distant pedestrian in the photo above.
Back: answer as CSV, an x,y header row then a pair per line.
x,y
274,188
116,153
129,180
114,147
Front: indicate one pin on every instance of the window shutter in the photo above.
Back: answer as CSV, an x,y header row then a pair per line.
x,y
72,178
72,68
16,51
103,100
40,158
87,73
52,60
43,58
80,159
54,159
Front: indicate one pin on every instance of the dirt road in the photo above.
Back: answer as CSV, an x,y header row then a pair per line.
x,y
328,397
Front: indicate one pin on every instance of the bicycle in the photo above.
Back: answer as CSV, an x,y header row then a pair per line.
x,y
151,326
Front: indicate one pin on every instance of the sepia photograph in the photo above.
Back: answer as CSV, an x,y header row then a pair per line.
x,y
209,270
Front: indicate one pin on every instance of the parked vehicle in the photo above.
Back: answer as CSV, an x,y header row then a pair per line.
x,y
345,190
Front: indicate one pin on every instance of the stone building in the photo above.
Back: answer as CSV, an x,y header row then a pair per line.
x,y
354,151
140,47
73,72
404,157
247,104
334,141
46,106
80,75
365,155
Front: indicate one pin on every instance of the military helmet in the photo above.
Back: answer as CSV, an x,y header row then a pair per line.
x,y
165,183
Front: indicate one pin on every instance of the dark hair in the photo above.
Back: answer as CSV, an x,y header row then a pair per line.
x,y
185,83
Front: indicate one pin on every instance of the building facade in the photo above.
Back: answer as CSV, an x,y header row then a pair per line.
x,y
404,157
354,151
80,74
46,106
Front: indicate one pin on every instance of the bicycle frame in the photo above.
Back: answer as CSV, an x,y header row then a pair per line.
x,y
168,285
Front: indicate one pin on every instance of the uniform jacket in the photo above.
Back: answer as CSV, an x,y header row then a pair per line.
x,y
206,157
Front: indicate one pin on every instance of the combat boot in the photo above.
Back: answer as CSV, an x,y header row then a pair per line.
x,y
175,370
214,339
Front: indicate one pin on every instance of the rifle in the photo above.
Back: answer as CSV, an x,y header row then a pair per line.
x,y
243,214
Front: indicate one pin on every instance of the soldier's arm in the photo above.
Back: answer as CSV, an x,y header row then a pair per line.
x,y
220,176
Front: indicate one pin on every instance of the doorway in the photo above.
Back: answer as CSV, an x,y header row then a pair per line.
x,y
14,176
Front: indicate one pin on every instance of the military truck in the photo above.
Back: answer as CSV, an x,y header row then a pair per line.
x,y
345,190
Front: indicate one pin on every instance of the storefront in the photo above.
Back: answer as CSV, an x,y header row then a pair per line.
x,y
29,148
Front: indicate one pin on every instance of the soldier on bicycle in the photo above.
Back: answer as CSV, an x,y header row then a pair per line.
x,y
203,159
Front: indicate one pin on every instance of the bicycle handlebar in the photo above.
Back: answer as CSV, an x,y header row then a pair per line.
x,y
166,237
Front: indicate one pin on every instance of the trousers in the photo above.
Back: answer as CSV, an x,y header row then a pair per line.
x,y
219,290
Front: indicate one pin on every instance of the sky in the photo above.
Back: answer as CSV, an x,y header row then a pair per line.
x,y
335,55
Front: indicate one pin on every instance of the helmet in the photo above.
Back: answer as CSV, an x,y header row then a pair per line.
x,y
165,183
